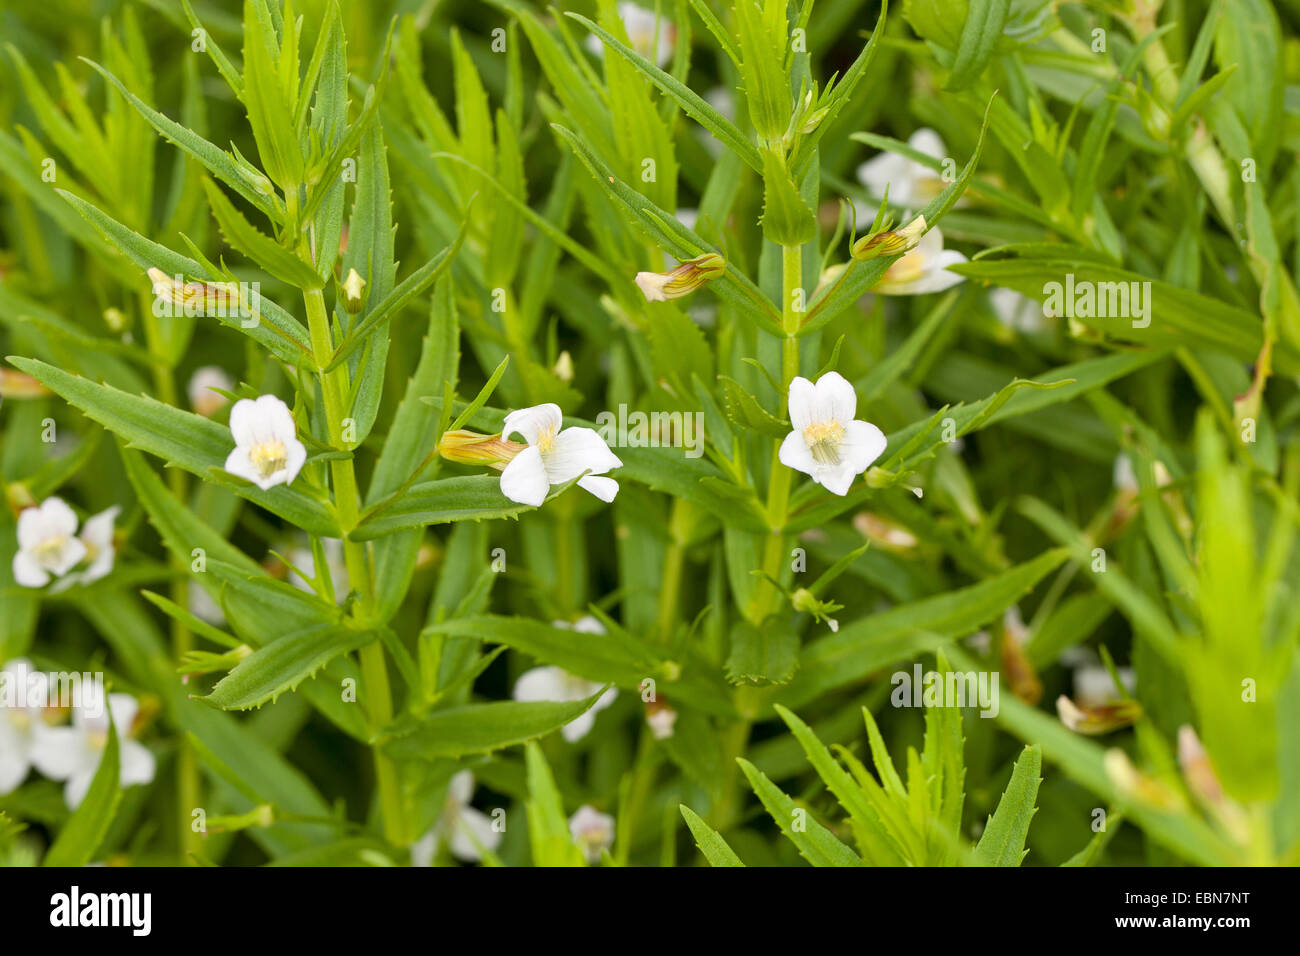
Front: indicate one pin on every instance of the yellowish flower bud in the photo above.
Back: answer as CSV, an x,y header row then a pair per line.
x,y
1095,721
891,243
685,279
20,385
470,448
564,367
352,287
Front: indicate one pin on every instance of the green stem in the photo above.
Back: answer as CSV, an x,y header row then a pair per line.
x,y
670,580
347,503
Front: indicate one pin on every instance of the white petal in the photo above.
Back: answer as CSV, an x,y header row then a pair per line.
x,y
13,768
475,823
837,479
800,401
576,450
53,519
242,415
863,443
460,788
652,285
138,763
530,422
77,786
123,707
423,849
589,625
604,700
296,455
880,171
541,683
606,489
835,399
60,752
28,573
239,464
579,727
72,553
926,140
795,454
524,479
97,534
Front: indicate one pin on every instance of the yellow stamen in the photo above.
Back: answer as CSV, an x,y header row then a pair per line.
x,y
268,457
823,440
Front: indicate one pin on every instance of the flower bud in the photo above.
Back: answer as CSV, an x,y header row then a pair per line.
x,y
685,279
352,286
20,385
892,243
1138,786
1102,719
470,448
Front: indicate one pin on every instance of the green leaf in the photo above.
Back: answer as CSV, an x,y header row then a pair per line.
x,y
284,664
979,36
787,220
269,112
81,836
816,844
477,728
763,654
473,497
548,827
743,410
710,842
1003,840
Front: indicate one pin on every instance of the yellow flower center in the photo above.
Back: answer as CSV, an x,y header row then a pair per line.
x,y
49,550
823,440
268,457
908,268
545,439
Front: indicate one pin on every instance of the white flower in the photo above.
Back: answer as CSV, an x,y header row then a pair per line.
x,y
661,720
1016,311
593,831
47,543
1124,476
73,753
827,443
97,537
641,32
459,824
924,269
911,184
202,606
20,722
557,684
267,451
554,456
203,399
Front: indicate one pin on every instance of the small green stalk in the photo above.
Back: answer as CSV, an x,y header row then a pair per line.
x,y
347,504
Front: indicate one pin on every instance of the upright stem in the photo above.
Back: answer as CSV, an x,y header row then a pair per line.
x,y
187,767
347,504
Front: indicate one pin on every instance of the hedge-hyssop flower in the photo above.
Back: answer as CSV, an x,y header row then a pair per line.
x,y
554,456
461,826
73,753
48,545
827,443
267,451
923,270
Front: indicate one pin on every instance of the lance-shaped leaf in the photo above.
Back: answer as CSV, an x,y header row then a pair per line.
x,y
1003,840
474,497
710,842
86,828
478,728
284,664
816,844
979,36
242,236
180,438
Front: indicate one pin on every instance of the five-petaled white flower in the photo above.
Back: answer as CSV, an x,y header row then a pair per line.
x,y
464,828
827,443
267,451
911,184
73,753
593,831
923,270
47,543
554,456
557,684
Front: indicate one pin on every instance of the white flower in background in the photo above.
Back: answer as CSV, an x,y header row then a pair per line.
x,y
554,456
911,184
557,684
267,451
47,543
593,831
661,719
1123,475
97,537
202,606
459,824
20,722
200,389
1016,311
641,32
827,443
302,557
1094,687
73,753
923,270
